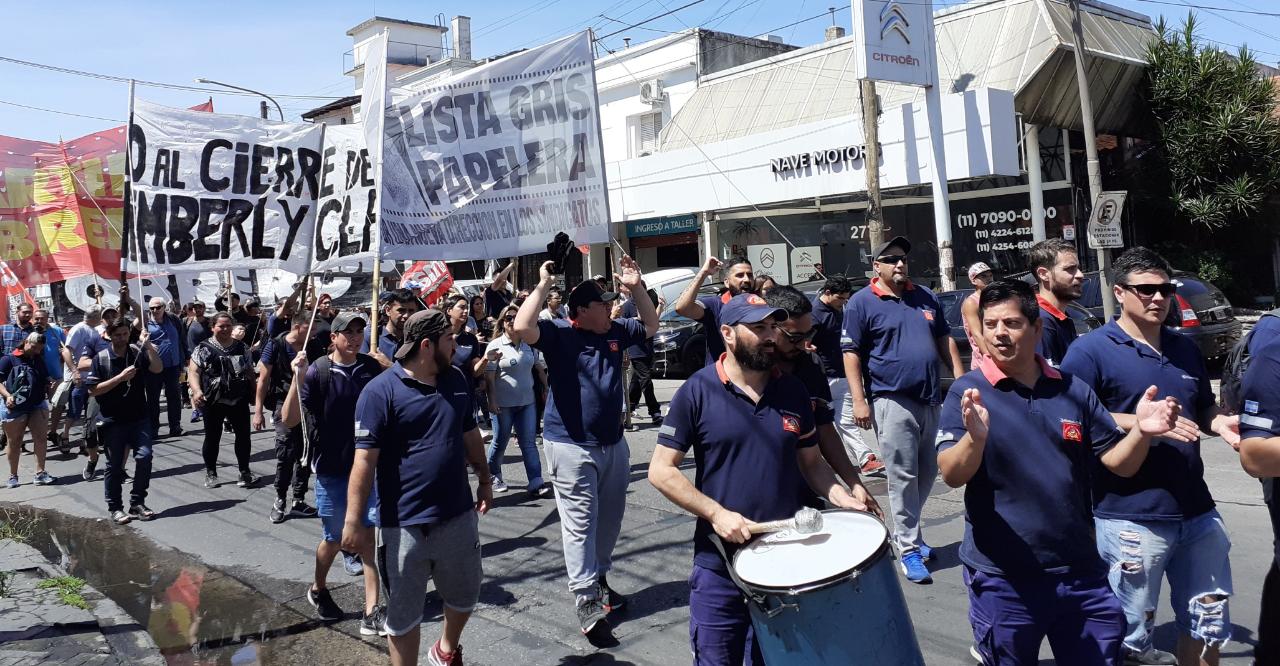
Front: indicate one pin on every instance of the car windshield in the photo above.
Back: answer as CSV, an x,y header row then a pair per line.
x,y
670,315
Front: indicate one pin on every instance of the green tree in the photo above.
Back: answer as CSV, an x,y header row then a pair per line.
x,y
1216,157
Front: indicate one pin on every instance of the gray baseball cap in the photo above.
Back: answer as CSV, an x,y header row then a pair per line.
x,y
344,320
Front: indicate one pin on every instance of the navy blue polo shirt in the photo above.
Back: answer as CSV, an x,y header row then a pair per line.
x,y
418,428
1170,484
1260,417
745,451
827,322
896,339
711,324
387,344
1027,508
1266,330
645,349
331,410
808,369
584,370
1059,333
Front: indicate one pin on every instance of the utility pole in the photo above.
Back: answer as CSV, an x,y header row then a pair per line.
x,y
262,108
874,216
1091,156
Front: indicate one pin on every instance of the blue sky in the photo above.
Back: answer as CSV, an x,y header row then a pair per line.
x,y
296,48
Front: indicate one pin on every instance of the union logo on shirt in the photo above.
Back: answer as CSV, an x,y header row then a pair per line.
x,y
613,345
1071,431
928,314
791,424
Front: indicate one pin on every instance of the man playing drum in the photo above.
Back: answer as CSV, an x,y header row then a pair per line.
x,y
1022,438
752,431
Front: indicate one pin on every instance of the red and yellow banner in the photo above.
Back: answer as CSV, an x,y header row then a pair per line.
x,y
62,205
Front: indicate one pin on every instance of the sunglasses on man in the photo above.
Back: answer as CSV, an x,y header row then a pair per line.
x,y
799,337
891,258
1165,289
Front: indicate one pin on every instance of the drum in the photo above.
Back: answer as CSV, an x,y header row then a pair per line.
x,y
831,597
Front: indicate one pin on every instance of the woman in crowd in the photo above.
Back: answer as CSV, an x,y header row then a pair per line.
x,y
555,305
483,325
221,375
509,376
24,385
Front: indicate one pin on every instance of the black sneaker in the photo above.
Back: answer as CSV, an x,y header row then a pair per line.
x,y
591,614
324,605
247,479
210,480
141,512
90,469
175,432
656,418
375,623
303,509
611,600
277,512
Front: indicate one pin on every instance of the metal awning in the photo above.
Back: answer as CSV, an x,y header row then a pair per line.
x,y
1018,45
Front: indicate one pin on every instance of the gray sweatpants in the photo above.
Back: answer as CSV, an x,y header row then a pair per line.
x,y
906,429
591,495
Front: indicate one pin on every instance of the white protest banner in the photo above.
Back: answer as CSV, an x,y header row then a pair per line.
x,y
493,162
213,192
346,212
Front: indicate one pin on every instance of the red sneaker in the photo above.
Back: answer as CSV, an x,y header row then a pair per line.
x,y
873,466
438,657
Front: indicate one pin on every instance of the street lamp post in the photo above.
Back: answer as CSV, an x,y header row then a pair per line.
x,y
255,92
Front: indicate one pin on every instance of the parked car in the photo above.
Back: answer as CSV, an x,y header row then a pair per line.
x,y
1200,311
951,301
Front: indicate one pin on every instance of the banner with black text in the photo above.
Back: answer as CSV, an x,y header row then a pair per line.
x,y
347,209
213,192
494,161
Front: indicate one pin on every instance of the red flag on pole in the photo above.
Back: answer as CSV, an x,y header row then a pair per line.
x,y
429,279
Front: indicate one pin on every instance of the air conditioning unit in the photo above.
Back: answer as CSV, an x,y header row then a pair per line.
x,y
651,91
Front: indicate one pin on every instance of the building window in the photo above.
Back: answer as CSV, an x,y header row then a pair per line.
x,y
644,133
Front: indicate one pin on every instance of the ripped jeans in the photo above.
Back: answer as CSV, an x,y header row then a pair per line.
x,y
1193,553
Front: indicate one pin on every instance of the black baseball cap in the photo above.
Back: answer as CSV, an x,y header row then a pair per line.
x,y
897,241
588,292
421,325
344,320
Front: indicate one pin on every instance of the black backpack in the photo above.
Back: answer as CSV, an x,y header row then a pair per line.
x,y
228,377
324,369
21,385
1233,369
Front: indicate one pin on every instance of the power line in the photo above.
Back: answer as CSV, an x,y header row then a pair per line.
x,y
153,84
63,113
651,18
1254,12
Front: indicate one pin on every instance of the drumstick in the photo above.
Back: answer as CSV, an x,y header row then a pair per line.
x,y
806,521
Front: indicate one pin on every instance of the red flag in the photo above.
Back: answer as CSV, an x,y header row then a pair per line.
x,y
12,293
62,205
429,279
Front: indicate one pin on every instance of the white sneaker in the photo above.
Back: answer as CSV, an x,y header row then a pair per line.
x,y
499,486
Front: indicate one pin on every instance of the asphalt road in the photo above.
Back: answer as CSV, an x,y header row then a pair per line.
x,y
526,614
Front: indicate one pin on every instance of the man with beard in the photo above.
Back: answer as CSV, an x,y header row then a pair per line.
x,y
587,456
895,330
1024,440
13,335
738,278
795,358
751,429
1057,270
397,306
416,427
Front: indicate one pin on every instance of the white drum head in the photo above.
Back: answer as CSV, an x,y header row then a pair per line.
x,y
787,559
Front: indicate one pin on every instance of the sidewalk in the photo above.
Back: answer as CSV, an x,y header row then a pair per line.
x,y
39,627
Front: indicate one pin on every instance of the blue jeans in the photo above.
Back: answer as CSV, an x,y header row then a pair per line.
x,y
1193,553
166,380
117,439
525,421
